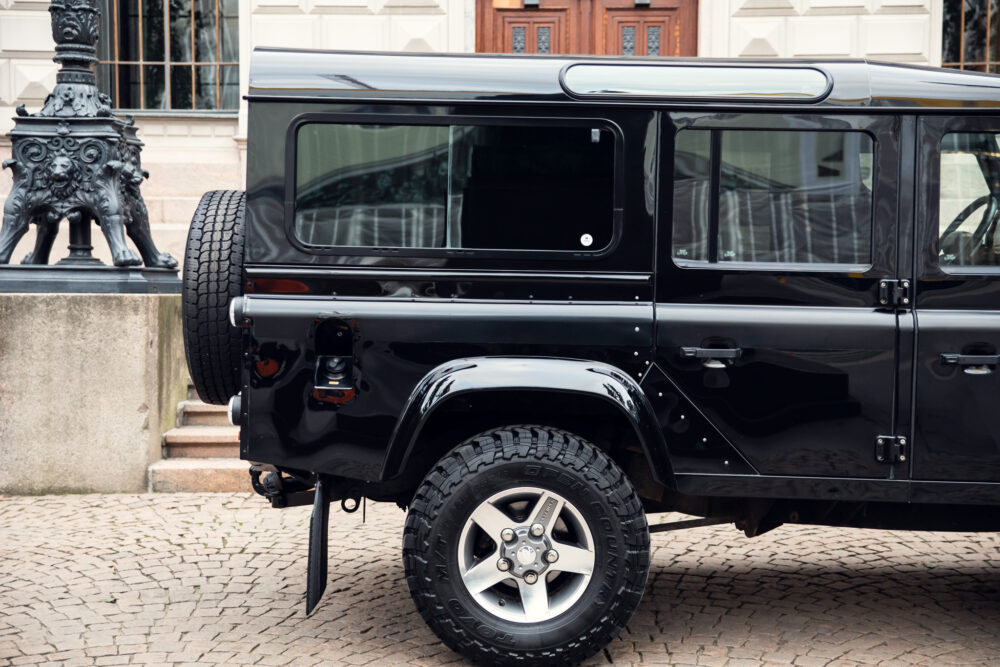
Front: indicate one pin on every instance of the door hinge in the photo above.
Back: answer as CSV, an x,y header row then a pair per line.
x,y
890,449
895,293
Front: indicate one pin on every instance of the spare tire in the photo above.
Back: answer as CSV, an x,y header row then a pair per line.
x,y
213,275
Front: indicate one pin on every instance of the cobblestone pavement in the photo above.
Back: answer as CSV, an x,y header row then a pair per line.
x,y
219,579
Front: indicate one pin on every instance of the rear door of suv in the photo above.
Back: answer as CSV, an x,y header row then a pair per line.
x,y
776,331
956,416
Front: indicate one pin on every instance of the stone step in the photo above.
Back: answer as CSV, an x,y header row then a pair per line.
x,y
193,412
199,475
201,442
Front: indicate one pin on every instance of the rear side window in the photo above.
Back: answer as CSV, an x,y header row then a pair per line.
x,y
491,187
969,201
772,197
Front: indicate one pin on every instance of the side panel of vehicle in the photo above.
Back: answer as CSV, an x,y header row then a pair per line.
x,y
393,345
395,314
956,422
776,233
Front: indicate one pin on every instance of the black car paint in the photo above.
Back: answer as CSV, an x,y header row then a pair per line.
x,y
415,315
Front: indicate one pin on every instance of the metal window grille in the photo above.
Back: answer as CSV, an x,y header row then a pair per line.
x,y
653,40
170,54
971,37
519,39
628,40
543,40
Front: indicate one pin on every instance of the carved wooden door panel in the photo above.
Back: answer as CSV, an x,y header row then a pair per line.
x,y
505,26
542,32
664,28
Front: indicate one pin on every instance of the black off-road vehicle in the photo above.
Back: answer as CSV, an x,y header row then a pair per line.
x,y
533,299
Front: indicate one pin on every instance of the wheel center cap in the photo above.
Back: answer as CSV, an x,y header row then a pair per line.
x,y
526,555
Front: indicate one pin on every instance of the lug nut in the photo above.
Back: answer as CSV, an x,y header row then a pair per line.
x,y
530,577
537,529
551,556
503,564
507,535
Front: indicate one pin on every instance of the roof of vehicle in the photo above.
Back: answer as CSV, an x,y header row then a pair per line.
x,y
442,78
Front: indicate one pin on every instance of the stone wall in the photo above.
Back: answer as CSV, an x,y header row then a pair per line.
x,y
897,30
90,384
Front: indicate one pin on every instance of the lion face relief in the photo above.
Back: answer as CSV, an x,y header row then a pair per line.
x,y
61,175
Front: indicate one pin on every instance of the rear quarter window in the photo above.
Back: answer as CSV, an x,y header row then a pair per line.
x,y
488,187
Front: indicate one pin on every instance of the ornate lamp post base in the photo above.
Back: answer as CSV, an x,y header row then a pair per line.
x,y
75,160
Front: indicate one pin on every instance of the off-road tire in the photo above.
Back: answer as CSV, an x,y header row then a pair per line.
x,y
213,275
557,461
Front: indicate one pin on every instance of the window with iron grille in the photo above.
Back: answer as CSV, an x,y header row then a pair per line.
x,y
971,37
170,54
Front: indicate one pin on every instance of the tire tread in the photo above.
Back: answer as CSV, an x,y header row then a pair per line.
x,y
212,276
526,442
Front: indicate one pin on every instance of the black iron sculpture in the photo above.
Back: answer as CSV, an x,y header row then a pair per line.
x,y
76,160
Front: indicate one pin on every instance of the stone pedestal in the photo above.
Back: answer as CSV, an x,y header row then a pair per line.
x,y
89,384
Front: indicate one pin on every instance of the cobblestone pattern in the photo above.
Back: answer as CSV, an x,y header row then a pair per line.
x,y
219,579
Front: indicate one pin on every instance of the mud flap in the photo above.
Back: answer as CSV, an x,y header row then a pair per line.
x,y
316,573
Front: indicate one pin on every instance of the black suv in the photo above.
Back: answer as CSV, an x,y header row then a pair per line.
x,y
532,299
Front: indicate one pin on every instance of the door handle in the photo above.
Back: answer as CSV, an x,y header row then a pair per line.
x,y
974,364
715,357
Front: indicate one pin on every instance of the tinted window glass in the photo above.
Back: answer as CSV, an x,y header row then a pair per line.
x,y
969,200
458,186
782,197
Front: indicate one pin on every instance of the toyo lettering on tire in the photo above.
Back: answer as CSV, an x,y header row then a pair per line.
x,y
213,275
526,545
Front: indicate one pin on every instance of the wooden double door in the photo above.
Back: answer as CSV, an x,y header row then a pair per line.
x,y
600,27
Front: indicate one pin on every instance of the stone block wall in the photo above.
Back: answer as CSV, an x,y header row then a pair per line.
x,y
896,30
90,384
366,25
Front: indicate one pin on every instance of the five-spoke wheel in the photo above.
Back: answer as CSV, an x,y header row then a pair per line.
x,y
526,545
526,554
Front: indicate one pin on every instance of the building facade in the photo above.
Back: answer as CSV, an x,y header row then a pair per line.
x,y
181,66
